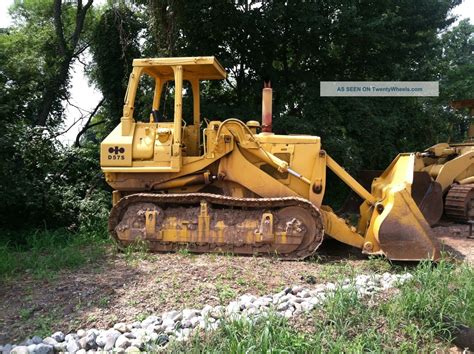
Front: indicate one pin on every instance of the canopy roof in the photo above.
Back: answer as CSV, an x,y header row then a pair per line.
x,y
202,68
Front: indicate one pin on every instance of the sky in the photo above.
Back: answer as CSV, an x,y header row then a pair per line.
x,y
85,97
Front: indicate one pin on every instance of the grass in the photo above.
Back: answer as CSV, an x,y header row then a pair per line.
x,y
411,320
45,253
136,252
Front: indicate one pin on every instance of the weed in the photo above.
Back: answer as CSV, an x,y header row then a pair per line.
x,y
410,320
225,293
184,252
26,313
103,302
45,253
141,316
44,323
136,251
241,281
212,257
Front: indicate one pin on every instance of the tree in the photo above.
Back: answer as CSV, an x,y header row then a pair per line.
x,y
114,45
68,47
37,182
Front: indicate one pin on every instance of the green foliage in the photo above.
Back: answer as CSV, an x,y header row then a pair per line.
x,y
114,46
47,185
438,292
42,183
45,253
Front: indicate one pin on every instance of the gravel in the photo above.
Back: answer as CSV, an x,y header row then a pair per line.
x,y
159,330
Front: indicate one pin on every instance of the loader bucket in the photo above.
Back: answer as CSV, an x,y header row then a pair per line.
x,y
397,224
426,193
428,196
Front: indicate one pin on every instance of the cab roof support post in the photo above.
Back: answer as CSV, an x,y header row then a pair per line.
x,y
178,102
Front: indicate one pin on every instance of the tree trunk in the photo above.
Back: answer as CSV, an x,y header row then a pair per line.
x,y
67,52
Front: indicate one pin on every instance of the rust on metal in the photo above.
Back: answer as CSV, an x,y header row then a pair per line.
x,y
428,195
289,227
458,202
405,234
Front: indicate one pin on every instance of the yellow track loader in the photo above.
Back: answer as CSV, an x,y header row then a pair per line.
x,y
443,180
451,168
220,186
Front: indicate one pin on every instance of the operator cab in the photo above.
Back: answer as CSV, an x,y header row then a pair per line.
x,y
180,73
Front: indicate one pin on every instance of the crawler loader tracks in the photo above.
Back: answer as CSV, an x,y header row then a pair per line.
x,y
289,228
459,201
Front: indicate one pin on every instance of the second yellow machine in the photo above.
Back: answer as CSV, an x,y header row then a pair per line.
x,y
233,189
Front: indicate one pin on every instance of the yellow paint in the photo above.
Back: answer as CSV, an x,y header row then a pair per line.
x,y
447,163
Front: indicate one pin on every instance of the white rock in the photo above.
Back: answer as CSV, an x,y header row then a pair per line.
x,y
107,339
186,324
70,336
276,298
60,347
248,298
283,306
169,330
151,320
122,342
58,336
121,327
111,338
137,343
92,332
138,332
72,345
297,289
262,302
50,341
174,315
195,320
132,349
168,322
81,333
304,293
232,308
37,340
190,313
206,310
21,349
136,324
217,312
252,311
307,306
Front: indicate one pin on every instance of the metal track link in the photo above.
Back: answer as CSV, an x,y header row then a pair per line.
x,y
286,239
458,202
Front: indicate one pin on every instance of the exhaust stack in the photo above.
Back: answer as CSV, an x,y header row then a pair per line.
x,y
267,95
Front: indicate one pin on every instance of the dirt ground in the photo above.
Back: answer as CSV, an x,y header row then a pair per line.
x,y
454,239
124,288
